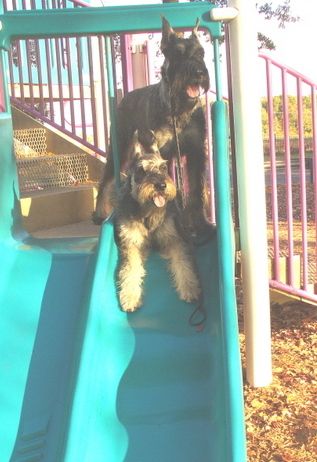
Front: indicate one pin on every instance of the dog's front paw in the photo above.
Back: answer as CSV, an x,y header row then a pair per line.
x,y
130,301
190,293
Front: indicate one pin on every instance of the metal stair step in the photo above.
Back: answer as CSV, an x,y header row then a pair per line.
x,y
41,171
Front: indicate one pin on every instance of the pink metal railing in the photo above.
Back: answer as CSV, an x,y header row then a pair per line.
x,y
293,182
62,81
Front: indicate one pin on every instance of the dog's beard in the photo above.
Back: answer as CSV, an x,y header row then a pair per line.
x,y
185,85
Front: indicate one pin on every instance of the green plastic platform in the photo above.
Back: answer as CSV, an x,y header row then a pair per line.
x,y
81,381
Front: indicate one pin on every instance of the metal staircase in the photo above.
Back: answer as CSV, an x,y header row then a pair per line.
x,y
43,171
56,188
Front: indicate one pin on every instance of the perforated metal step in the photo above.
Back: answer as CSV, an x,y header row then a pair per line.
x,y
40,170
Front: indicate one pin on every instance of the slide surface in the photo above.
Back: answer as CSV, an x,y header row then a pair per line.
x,y
90,383
149,380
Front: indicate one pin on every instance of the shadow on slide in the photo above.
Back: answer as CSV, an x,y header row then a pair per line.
x,y
152,387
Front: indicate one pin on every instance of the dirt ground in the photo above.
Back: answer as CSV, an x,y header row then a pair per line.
x,y
281,419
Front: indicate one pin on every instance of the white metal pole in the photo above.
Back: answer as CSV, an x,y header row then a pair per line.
x,y
251,192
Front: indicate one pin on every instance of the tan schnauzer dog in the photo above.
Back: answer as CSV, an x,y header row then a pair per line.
x,y
146,217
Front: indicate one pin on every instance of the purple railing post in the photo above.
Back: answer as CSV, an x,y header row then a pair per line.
x,y
60,97
151,54
314,154
232,132
92,91
104,99
39,76
68,63
288,180
81,87
275,217
301,147
126,58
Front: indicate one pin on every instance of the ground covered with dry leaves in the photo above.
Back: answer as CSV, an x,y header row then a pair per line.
x,y
281,419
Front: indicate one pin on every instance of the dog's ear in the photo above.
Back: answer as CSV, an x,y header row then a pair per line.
x,y
146,137
167,33
195,30
148,141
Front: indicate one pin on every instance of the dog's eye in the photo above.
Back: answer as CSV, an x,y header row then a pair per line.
x,y
163,168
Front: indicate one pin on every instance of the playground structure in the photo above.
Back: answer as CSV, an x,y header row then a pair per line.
x,y
48,90
68,98
65,265
80,379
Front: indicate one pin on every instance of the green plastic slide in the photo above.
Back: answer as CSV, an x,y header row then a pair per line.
x,y
81,381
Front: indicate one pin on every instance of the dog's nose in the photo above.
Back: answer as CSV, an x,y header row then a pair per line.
x,y
160,186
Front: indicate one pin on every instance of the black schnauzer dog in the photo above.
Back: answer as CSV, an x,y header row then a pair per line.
x,y
171,108
146,216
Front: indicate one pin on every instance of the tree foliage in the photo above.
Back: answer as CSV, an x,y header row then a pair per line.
x,y
292,116
282,13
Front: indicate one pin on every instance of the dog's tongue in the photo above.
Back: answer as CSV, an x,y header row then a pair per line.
x,y
193,91
159,200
